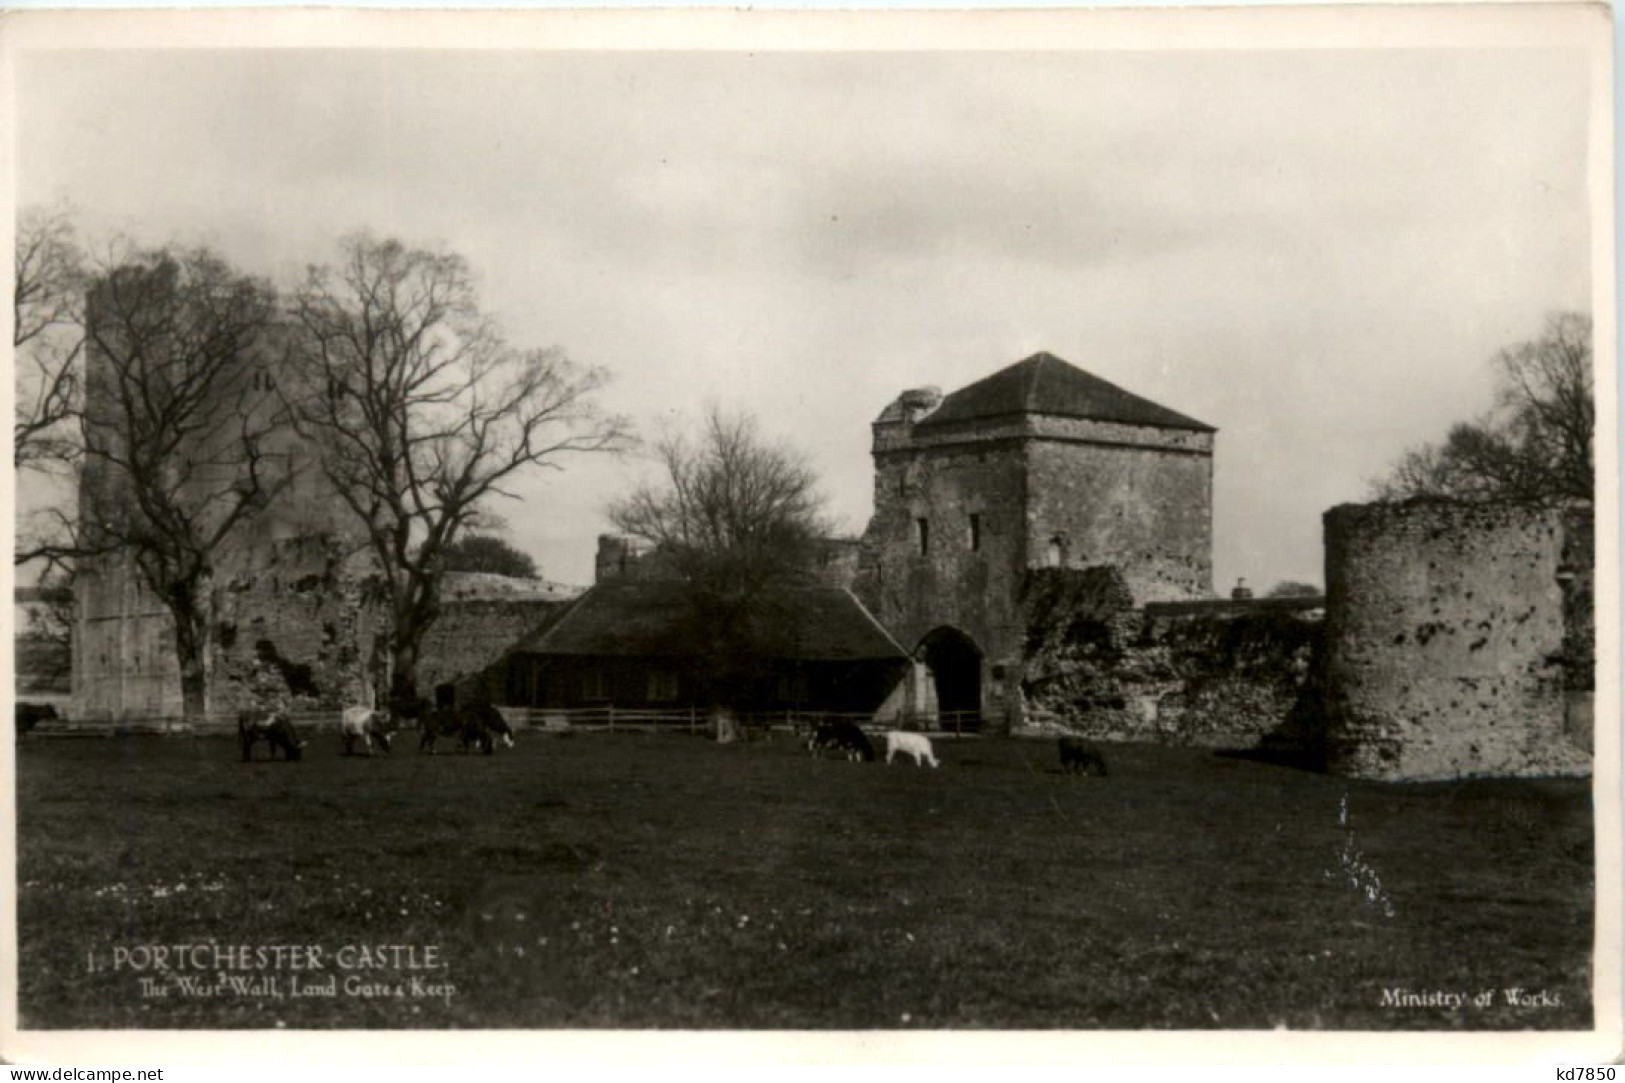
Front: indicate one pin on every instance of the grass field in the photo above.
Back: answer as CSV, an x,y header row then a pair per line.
x,y
664,881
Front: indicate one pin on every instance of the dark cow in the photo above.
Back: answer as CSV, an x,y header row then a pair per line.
x,y
263,724
477,725
30,715
844,737
437,722
1080,757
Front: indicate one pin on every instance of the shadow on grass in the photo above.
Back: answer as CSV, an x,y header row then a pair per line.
x,y
1300,760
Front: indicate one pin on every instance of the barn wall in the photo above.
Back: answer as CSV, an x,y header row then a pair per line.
x,y
1456,633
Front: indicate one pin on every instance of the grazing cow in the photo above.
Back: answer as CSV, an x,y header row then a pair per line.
x,y
272,727
365,725
482,722
844,737
437,722
915,744
1078,756
30,715
474,726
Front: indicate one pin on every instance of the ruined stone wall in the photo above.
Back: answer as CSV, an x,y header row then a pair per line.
x,y
1236,675
471,635
123,645
1146,508
301,621
971,586
1451,643
125,663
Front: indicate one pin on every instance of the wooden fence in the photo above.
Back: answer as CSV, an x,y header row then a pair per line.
x,y
606,719
698,720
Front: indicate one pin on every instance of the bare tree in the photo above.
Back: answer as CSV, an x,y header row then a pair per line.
x,y
1535,446
47,340
735,518
179,427
47,337
425,413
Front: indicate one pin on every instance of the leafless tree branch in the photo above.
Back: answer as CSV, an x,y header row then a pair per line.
x,y
425,412
177,428
1535,447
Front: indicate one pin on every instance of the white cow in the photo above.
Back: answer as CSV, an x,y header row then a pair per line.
x,y
363,724
915,744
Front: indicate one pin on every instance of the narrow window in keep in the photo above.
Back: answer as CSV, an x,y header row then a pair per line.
x,y
975,532
922,535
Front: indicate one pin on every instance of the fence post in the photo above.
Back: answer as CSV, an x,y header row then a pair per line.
x,y
611,716
693,721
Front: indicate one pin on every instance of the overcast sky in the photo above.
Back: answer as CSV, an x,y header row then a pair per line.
x,y
1316,252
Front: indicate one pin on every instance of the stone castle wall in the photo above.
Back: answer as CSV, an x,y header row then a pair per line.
x,y
300,621
1002,496
471,635
1145,509
957,581
1232,675
1455,633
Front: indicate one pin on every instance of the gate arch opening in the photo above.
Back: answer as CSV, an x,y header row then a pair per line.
x,y
955,663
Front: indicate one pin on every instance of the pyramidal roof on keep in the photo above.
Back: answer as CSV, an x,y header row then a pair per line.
x,y
1044,384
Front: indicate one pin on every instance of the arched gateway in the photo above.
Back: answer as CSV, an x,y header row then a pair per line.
x,y
955,663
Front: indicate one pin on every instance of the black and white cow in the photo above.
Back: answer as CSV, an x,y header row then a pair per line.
x,y
477,725
483,724
365,725
843,737
271,726
1079,756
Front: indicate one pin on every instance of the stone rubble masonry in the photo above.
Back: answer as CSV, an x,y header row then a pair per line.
x,y
1459,639
1216,674
298,621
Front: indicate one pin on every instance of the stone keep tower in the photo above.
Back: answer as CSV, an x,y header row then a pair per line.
x,y
1039,465
123,649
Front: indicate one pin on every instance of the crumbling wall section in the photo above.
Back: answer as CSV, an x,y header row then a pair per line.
x,y
1455,632
297,621
301,622
1233,675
